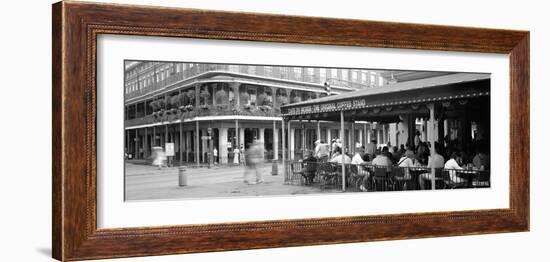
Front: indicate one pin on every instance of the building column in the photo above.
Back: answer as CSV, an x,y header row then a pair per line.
x,y
187,145
204,144
360,135
365,134
304,131
275,142
445,127
222,145
237,134
283,148
197,143
181,143
319,130
145,145
154,140
136,146
329,136
432,140
290,142
342,135
352,138
261,138
127,138
241,137
369,134
425,130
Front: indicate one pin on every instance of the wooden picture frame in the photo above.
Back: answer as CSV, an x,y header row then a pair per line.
x,y
76,26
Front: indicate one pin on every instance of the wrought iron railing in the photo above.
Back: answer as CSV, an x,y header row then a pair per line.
x,y
368,177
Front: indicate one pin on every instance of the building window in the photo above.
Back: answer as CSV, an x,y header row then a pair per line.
x,y
268,70
322,75
297,72
354,76
334,73
345,74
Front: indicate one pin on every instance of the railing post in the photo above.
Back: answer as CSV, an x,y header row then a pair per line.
x,y
432,141
343,139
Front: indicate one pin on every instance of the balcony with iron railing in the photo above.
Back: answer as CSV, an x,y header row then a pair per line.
x,y
190,112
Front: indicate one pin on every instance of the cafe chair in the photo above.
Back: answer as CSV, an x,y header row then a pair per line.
x,y
399,178
309,171
450,183
482,179
380,179
329,175
296,173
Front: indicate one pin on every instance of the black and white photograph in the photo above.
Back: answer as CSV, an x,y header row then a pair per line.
x,y
197,130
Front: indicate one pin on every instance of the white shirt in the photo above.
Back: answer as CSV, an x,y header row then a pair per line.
x,y
438,161
452,164
406,162
357,159
338,159
381,160
321,150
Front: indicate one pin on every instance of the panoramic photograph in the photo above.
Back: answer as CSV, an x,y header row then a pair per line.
x,y
197,130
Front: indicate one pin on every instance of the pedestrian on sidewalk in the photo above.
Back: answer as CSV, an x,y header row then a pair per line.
x,y
236,156
215,151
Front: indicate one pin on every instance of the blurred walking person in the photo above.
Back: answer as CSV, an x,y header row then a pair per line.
x,y
253,161
159,157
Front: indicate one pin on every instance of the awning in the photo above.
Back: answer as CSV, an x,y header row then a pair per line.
x,y
393,100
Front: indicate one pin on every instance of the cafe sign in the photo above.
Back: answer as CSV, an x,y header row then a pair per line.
x,y
325,107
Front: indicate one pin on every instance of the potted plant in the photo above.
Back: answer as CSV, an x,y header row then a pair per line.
x,y
245,98
296,99
191,97
282,100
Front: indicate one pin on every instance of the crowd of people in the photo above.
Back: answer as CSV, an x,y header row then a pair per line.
x,y
450,155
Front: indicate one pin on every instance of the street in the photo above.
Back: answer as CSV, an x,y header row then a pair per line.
x,y
145,182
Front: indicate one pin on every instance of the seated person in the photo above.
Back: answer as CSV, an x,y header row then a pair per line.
x,y
321,150
395,155
382,159
453,165
338,156
370,148
481,160
407,161
358,157
310,166
437,162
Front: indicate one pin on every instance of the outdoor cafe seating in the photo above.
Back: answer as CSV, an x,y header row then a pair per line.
x,y
367,177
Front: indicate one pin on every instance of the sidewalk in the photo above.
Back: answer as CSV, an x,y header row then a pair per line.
x,y
149,183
